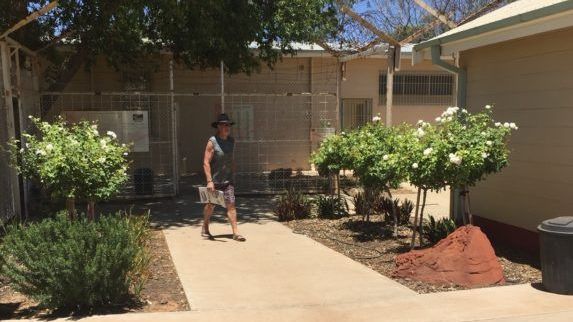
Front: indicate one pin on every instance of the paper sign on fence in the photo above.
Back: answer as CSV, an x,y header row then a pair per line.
x,y
216,197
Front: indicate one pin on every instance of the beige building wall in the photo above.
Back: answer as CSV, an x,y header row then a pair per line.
x,y
284,122
362,81
290,125
281,124
530,82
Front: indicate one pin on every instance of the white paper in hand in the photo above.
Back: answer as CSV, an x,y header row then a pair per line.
x,y
216,197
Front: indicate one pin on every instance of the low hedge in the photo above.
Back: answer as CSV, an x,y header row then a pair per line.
x,y
77,264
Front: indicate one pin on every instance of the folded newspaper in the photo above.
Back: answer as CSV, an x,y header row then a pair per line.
x,y
216,197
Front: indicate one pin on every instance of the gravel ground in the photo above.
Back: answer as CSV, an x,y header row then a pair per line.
x,y
371,244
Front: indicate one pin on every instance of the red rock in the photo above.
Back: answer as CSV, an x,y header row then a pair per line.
x,y
464,258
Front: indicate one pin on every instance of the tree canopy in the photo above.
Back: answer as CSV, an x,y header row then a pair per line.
x,y
242,33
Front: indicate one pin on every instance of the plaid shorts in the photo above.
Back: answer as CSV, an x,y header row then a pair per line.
x,y
228,192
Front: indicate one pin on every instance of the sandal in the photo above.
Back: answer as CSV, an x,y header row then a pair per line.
x,y
206,233
238,237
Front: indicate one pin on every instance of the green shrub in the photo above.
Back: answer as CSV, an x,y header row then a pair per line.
x,y
73,160
404,211
368,203
77,264
331,207
436,230
293,205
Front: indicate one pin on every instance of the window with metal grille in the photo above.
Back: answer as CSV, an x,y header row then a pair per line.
x,y
419,89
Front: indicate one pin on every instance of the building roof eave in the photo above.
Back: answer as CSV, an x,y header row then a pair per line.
x,y
509,22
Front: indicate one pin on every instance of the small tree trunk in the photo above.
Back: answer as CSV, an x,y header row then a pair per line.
x,y
421,224
338,184
468,206
463,205
91,210
71,207
414,228
394,213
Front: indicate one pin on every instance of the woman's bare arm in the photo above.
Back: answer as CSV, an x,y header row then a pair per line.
x,y
209,150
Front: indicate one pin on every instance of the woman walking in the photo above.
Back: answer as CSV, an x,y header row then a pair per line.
x,y
219,167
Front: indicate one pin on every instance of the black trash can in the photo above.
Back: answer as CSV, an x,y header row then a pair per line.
x,y
143,181
556,245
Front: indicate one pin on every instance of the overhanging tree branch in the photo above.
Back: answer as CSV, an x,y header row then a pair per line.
x,y
416,35
435,13
366,24
33,16
482,10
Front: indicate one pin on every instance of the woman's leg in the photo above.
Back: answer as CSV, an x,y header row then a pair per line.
x,y
207,212
232,211
232,215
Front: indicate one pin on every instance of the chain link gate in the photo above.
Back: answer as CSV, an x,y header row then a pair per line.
x,y
147,119
275,136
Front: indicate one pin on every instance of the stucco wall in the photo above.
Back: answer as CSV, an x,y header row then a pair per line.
x,y
362,81
530,82
277,118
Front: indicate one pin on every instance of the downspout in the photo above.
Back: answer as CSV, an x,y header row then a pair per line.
x,y
455,202
459,72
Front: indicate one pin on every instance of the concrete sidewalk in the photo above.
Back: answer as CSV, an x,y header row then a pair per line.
x,y
281,276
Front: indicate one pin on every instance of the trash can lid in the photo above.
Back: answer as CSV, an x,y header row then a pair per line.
x,y
563,225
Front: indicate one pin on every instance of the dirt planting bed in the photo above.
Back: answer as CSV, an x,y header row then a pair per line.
x,y
372,244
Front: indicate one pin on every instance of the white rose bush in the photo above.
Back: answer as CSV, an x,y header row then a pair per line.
x,y
372,152
458,150
74,161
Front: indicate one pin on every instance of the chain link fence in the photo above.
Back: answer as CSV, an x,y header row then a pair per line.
x,y
144,120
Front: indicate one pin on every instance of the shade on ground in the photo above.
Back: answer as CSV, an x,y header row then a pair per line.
x,y
281,276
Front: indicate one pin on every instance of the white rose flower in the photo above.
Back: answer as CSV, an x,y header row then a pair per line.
x,y
483,133
101,160
485,155
450,118
438,119
488,107
49,147
455,159
415,165
420,122
385,157
27,145
428,151
112,134
376,118
513,126
464,111
489,143
497,124
103,143
125,153
505,124
22,150
30,117
420,132
342,133
40,152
